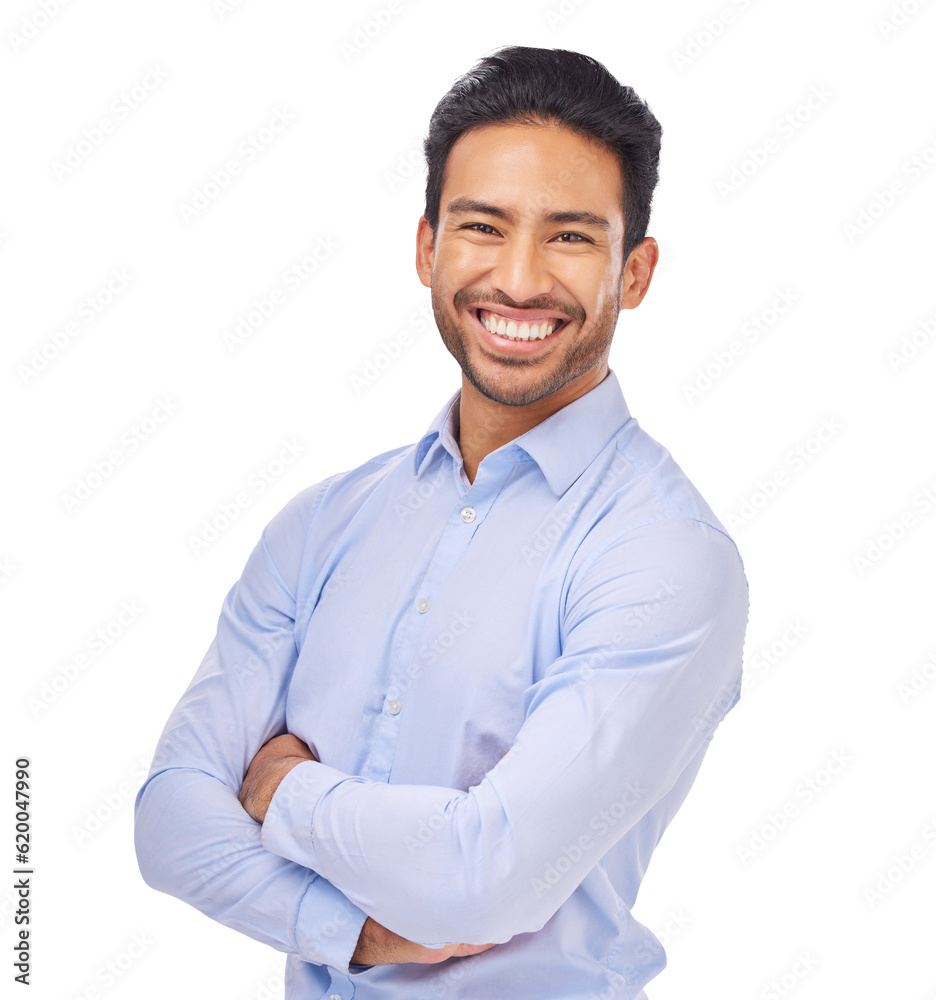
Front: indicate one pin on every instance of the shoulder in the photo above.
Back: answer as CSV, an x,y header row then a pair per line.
x,y
307,515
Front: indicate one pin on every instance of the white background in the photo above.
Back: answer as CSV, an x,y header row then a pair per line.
x,y
848,638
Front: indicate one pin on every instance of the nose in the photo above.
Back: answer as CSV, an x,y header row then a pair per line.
x,y
521,270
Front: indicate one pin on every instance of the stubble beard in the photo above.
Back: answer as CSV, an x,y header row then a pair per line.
x,y
584,356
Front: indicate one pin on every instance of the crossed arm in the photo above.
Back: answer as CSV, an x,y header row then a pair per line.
x,y
619,709
377,945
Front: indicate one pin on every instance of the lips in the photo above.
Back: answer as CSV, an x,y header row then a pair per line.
x,y
515,328
517,338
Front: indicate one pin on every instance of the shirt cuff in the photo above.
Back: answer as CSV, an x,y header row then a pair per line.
x,y
328,927
329,924
287,827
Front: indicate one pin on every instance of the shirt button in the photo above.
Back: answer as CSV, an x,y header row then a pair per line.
x,y
423,606
335,996
468,514
394,706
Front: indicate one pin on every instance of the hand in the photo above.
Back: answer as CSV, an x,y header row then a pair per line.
x,y
273,761
379,946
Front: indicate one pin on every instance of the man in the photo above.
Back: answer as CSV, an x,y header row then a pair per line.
x,y
459,692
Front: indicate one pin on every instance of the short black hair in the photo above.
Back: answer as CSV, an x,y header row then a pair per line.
x,y
520,85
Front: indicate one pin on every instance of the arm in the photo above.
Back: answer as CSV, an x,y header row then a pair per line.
x,y
193,838
377,945
650,664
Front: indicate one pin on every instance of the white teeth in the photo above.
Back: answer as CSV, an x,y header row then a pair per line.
x,y
513,330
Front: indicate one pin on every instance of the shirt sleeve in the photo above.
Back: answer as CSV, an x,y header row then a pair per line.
x,y
652,634
193,838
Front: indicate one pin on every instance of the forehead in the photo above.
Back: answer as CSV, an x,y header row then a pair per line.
x,y
533,170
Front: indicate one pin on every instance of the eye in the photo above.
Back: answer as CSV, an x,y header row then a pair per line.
x,y
578,238
479,226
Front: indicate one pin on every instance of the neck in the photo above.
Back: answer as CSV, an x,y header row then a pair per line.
x,y
484,424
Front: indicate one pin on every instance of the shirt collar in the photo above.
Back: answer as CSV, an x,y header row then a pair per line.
x,y
562,445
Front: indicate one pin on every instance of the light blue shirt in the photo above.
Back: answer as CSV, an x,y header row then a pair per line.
x,y
510,684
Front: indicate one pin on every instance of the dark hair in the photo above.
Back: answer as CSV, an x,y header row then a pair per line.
x,y
519,85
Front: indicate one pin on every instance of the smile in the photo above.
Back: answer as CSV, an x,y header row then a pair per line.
x,y
511,329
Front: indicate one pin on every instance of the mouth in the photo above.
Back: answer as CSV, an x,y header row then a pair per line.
x,y
518,335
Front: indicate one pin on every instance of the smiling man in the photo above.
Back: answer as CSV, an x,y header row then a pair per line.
x,y
459,692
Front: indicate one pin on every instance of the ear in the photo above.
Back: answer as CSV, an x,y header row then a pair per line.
x,y
638,273
425,252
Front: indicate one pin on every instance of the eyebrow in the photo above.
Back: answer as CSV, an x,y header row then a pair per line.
x,y
465,206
